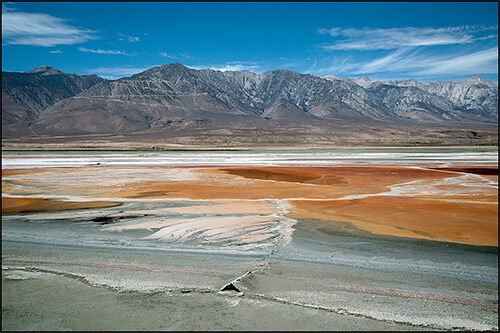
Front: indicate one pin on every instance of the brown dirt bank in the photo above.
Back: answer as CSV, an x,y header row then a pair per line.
x,y
340,175
278,174
340,134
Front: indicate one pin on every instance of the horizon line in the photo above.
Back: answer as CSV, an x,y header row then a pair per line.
x,y
196,68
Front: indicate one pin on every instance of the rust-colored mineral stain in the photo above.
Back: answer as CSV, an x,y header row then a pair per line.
x,y
277,174
31,171
469,223
31,205
334,175
14,172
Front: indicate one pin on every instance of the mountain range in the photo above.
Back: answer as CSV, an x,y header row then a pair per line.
x,y
173,100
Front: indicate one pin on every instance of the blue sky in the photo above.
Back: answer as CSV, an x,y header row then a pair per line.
x,y
428,41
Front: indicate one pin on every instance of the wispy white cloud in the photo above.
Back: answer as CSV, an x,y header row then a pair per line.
x,y
164,54
414,62
312,67
410,52
55,51
130,39
177,56
487,37
187,56
40,29
334,66
393,38
113,73
99,51
400,60
235,66
480,62
419,64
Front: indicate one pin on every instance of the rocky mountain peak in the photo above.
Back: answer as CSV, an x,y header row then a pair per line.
x,y
164,71
335,78
365,82
175,66
282,72
476,79
46,70
363,79
38,89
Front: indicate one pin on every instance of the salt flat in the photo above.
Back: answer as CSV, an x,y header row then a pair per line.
x,y
256,157
405,238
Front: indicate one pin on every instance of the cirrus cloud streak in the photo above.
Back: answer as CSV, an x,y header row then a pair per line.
x,y
39,29
412,62
99,51
393,38
231,66
113,73
130,39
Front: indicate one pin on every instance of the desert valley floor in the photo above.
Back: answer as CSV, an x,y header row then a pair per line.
x,y
251,239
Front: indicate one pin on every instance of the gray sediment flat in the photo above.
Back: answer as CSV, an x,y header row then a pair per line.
x,y
331,281
34,300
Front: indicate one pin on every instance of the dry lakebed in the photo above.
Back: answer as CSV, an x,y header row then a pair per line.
x,y
250,239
